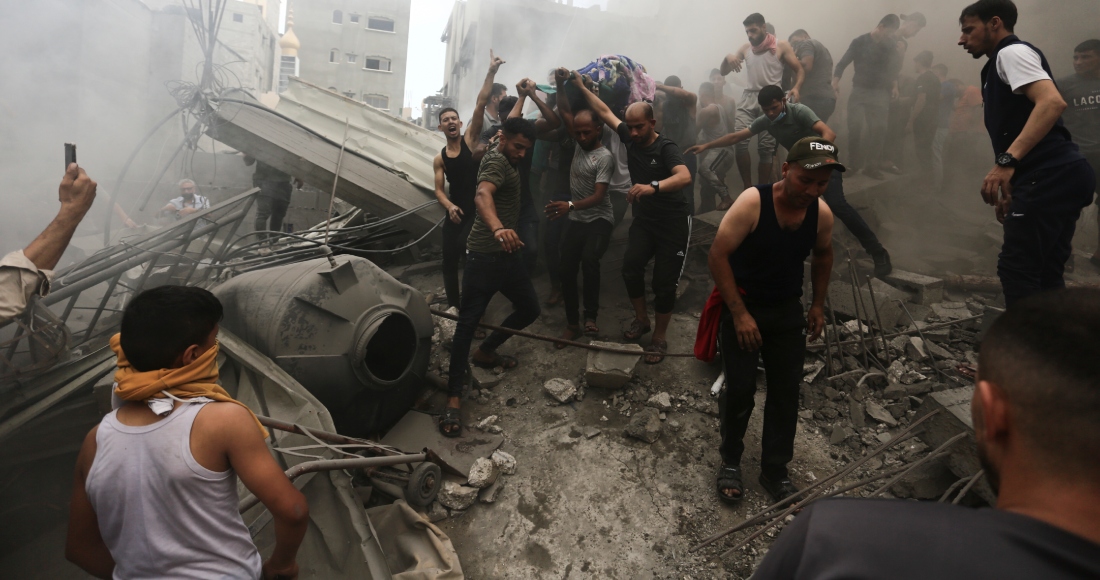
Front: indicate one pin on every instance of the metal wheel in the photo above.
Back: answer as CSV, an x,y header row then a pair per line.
x,y
424,483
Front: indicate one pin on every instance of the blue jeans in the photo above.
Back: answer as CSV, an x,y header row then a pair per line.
x,y
483,277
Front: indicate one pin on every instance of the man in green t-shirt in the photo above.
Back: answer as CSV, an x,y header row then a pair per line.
x,y
493,264
788,123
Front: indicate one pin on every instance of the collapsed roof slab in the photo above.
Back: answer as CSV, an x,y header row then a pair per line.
x,y
384,179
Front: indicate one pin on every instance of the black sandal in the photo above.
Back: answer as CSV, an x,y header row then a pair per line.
x,y
451,418
729,478
590,328
636,330
499,360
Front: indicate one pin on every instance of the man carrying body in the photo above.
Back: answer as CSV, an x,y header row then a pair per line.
x,y
155,491
789,123
817,92
925,114
1081,92
757,263
764,59
1036,416
874,84
459,165
493,264
187,203
662,217
274,198
1040,181
714,163
591,217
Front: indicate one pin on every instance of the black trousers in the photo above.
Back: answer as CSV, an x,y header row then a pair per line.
x,y
823,107
666,243
454,246
783,328
1038,230
557,189
843,211
271,205
484,276
582,249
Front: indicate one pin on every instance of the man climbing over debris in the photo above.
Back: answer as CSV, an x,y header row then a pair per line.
x,y
155,491
662,217
757,263
493,264
458,164
1036,416
274,198
714,163
788,123
1040,182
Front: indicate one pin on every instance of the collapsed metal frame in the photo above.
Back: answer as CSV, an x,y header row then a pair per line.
x,y
167,255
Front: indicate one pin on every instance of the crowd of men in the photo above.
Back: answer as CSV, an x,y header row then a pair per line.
x,y
176,442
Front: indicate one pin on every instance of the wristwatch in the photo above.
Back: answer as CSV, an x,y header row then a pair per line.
x,y
571,208
656,185
1007,160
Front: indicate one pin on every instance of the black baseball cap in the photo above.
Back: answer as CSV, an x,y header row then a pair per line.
x,y
815,153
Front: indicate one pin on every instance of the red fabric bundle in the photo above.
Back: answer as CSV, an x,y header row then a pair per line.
x,y
706,337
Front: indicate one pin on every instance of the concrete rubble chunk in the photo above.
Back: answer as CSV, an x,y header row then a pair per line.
x,y
483,473
561,390
927,290
504,461
436,513
645,425
661,401
895,391
951,310
880,414
915,349
484,378
937,351
918,389
445,327
486,423
932,332
491,493
456,496
855,412
607,370
811,370
590,432
840,434
840,294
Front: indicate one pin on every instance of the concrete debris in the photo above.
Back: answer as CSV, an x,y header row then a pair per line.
x,y
645,425
483,473
436,513
484,378
840,434
951,310
915,349
456,496
926,289
929,481
486,423
561,390
811,370
504,461
895,391
840,294
855,412
854,326
590,432
878,413
939,333
884,438
661,401
445,327
937,351
490,494
608,370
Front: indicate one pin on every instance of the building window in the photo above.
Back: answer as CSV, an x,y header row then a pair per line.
x,y
337,17
334,56
354,18
288,67
352,57
377,101
383,24
238,17
376,63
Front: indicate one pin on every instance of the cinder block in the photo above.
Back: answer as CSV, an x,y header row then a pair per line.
x,y
928,289
607,370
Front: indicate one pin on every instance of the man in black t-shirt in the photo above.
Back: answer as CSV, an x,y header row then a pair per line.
x,y
1036,416
924,116
662,217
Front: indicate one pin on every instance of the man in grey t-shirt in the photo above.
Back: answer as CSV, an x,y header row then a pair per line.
x,y
1081,91
591,219
817,61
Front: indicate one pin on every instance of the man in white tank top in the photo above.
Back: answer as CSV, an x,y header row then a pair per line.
x,y
763,57
155,491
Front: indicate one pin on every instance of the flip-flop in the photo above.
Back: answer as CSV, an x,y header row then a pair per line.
x,y
570,333
725,204
657,348
450,418
636,330
729,477
499,360
590,328
480,333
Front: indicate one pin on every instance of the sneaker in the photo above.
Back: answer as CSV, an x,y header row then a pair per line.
x,y
883,267
780,489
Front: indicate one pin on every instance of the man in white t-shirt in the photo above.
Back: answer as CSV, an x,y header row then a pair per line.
x,y
1040,181
187,203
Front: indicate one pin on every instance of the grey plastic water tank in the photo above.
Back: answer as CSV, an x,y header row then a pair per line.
x,y
358,339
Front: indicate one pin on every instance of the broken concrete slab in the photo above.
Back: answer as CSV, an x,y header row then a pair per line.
x,y
880,414
607,370
895,391
951,310
955,418
561,390
645,425
661,401
840,295
484,378
590,432
926,289
504,461
915,350
937,351
940,333
928,482
840,434
483,473
457,496
855,412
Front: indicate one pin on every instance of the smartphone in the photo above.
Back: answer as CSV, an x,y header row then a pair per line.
x,y
70,154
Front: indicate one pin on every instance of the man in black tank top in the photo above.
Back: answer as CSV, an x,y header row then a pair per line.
x,y
757,263
458,163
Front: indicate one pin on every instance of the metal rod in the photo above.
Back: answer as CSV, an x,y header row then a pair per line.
x,y
931,356
859,321
815,348
324,435
969,485
881,328
336,177
836,339
917,464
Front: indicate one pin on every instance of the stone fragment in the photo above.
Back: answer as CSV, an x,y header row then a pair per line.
x,y
931,332
445,327
646,425
561,390
833,394
436,513
456,496
951,310
878,413
806,414
840,294
855,412
918,389
928,481
840,434
483,473
504,461
487,422
937,351
590,432
490,494
884,437
484,378
608,370
926,289
915,349
661,401
895,391
811,370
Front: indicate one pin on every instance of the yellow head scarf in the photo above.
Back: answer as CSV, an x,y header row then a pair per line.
x,y
198,379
